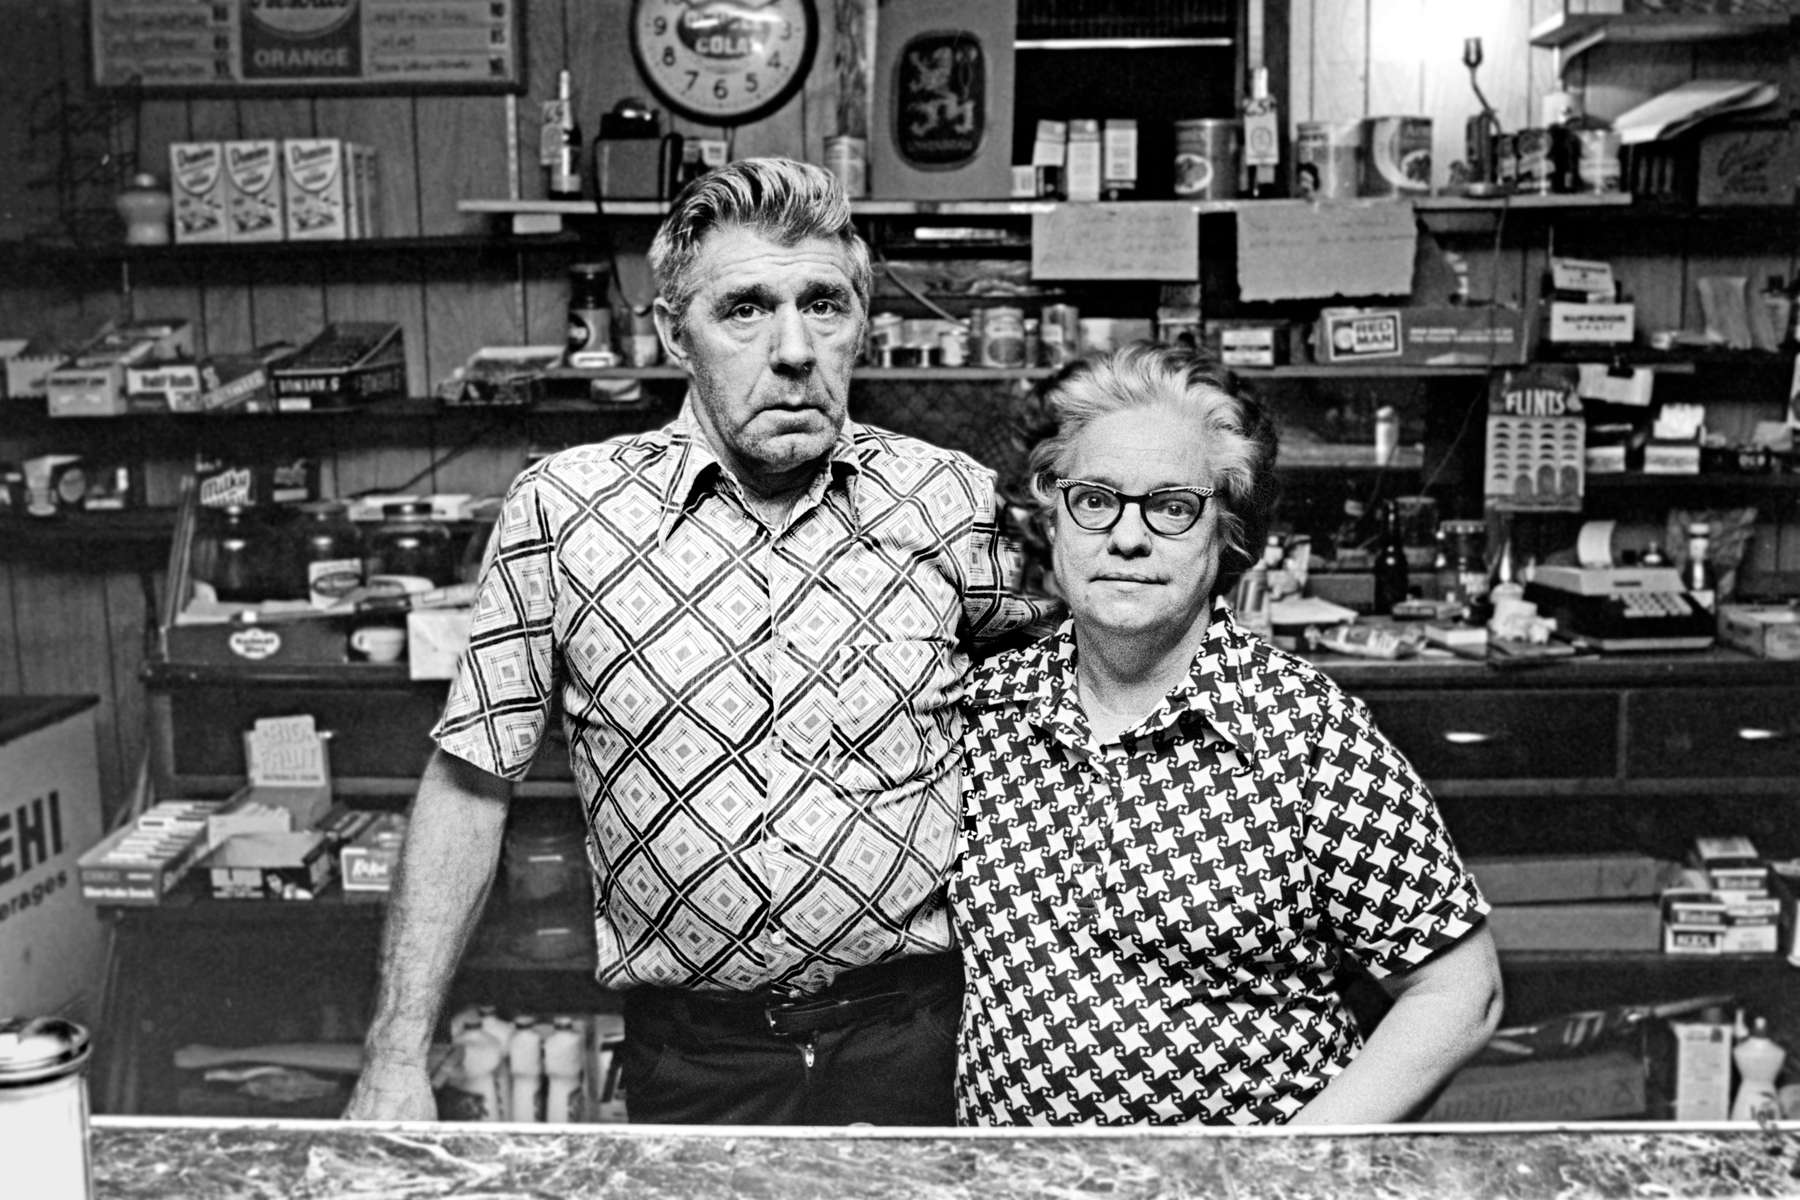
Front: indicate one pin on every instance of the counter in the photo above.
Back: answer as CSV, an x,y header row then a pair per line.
x,y
310,1160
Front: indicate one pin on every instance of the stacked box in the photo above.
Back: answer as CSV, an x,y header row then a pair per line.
x,y
198,187
141,863
254,207
351,362
329,189
91,383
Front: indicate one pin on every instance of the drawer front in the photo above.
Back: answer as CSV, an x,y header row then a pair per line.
x,y
1714,733
1503,734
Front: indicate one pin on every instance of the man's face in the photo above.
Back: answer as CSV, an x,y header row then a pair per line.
x,y
1129,582
769,340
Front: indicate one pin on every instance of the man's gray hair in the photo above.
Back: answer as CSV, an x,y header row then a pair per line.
x,y
782,199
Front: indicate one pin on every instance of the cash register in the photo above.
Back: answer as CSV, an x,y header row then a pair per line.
x,y
1622,608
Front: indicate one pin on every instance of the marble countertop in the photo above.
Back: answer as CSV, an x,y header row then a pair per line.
x,y
195,1159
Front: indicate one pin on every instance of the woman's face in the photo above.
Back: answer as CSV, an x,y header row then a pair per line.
x,y
1128,581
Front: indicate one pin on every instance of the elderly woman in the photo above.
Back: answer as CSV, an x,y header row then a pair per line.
x,y
1176,837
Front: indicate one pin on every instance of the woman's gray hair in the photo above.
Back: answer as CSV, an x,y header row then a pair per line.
x,y
782,199
1239,431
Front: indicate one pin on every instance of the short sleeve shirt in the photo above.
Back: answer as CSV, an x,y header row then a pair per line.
x,y
1152,927
761,723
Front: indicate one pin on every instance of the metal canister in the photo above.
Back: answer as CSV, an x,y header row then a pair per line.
x,y
44,1106
1002,336
848,159
1396,158
1326,155
1597,160
1506,159
1536,174
1206,154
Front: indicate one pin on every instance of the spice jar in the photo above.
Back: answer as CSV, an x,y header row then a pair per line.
x,y
325,553
232,553
411,547
44,1106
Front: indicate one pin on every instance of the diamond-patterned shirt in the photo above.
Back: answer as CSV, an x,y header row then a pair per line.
x,y
1151,928
762,725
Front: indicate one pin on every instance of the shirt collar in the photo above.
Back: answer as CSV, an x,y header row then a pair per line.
x,y
1215,687
691,470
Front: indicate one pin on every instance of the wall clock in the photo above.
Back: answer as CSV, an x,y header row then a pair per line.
x,y
724,62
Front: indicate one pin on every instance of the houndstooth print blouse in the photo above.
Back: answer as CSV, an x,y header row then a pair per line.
x,y
1151,929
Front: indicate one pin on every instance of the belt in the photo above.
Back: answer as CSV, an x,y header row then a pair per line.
x,y
884,990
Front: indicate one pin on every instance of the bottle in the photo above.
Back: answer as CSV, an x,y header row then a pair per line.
x,y
559,146
501,1030
1696,572
326,553
525,1056
145,207
1653,555
1262,140
1390,562
1252,602
411,546
1347,542
565,1075
473,1087
1758,1058
1387,434
1775,329
233,554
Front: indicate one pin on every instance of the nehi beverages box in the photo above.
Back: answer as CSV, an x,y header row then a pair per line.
x,y
197,183
318,181
253,199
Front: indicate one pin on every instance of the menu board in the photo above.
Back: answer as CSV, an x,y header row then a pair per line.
x,y
234,47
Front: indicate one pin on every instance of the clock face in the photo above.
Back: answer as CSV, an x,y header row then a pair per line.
x,y
724,62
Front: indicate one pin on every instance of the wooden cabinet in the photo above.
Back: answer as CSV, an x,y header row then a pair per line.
x,y
1504,734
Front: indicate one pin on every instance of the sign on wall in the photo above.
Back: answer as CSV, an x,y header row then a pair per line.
x,y
245,46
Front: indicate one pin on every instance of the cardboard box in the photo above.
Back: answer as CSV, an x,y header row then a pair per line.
x,y
435,642
198,188
1351,335
254,208
294,481
1702,1070
1542,878
52,946
1784,884
141,863
1465,334
28,368
1767,631
351,362
368,861
1750,165
271,866
173,386
1579,925
1588,1087
1082,175
317,179
1591,324
1671,458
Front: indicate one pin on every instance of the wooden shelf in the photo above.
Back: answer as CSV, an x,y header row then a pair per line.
x,y
1576,33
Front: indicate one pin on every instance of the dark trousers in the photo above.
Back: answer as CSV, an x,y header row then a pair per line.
x,y
878,1046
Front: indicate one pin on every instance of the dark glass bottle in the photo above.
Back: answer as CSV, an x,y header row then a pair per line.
x,y
325,553
1390,562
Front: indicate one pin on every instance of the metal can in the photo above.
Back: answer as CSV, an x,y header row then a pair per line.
x,y
1326,155
1597,160
1396,158
1506,160
953,345
44,1105
884,338
1536,173
1206,154
1002,335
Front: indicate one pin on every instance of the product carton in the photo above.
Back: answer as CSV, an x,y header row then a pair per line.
x,y
141,863
1542,878
28,368
318,180
253,191
271,866
351,362
198,188
367,861
1619,925
435,642
1767,631
173,386
1702,1070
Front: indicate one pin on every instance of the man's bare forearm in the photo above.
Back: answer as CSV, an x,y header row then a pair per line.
x,y
446,870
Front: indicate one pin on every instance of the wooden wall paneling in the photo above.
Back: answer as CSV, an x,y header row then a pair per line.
x,y
11,669
462,153
1300,61
65,649
129,617
287,298
1340,59
598,48
546,53
380,287
387,124
1610,79
480,457
468,306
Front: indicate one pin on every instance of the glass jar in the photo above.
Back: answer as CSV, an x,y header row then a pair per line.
x,y
325,556
410,547
232,553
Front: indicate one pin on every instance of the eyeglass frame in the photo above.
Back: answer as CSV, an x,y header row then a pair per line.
x,y
1141,499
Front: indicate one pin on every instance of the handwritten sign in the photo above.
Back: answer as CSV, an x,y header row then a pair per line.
x,y
230,47
1302,251
1143,240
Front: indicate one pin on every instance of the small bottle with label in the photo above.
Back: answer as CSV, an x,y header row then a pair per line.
x,y
1758,1058
472,1089
525,1057
501,1030
1262,140
559,146
565,1073
1696,571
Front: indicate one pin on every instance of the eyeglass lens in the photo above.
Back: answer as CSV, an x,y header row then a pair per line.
x,y
1097,508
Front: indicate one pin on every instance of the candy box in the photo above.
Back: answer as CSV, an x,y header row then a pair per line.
x,y
351,362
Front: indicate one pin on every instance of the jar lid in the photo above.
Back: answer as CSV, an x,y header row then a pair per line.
x,y
406,508
38,1048
325,508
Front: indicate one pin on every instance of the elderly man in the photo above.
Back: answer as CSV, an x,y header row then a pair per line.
x,y
755,624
